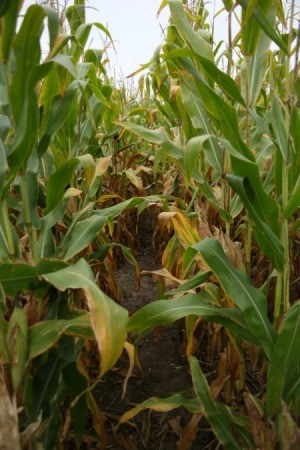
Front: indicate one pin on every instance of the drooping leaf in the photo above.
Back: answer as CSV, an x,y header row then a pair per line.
x,y
162,405
80,236
193,282
156,136
108,319
45,334
165,312
250,300
23,277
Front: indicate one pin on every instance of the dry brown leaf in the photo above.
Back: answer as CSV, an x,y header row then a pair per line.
x,y
264,435
163,276
188,434
130,349
9,432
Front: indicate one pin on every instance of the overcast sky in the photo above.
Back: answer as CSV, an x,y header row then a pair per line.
x,y
135,29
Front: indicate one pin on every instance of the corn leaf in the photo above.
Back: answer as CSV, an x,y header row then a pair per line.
x,y
45,334
155,136
80,236
58,181
264,24
9,23
250,300
225,82
108,319
200,122
294,201
192,283
285,359
23,277
267,240
218,418
196,42
162,405
165,312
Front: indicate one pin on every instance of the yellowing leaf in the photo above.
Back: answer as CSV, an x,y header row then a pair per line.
x,y
134,179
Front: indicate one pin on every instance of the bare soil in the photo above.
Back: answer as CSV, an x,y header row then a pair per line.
x,y
163,372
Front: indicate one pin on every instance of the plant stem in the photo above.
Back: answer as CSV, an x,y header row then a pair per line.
x,y
285,175
248,243
7,226
31,231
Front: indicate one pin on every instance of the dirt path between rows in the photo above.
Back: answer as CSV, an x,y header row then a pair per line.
x,y
164,372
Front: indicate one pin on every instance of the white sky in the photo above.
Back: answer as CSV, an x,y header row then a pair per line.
x,y
135,29
133,25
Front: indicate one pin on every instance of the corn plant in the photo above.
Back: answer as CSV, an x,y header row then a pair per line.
x,y
52,176
234,139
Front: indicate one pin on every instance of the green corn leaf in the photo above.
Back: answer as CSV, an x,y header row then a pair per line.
x,y
5,4
200,122
27,52
60,108
45,334
279,128
225,82
196,42
25,136
82,34
108,319
257,65
80,236
222,113
162,405
267,240
4,169
294,201
58,181
41,71
191,153
155,136
9,25
218,418
53,24
46,244
17,345
192,283
23,277
31,188
292,391
17,277
250,29
259,15
250,300
285,359
165,312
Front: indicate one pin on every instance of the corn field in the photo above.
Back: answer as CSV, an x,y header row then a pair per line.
x,y
206,152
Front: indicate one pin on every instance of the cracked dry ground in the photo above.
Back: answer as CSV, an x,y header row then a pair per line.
x,y
164,372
